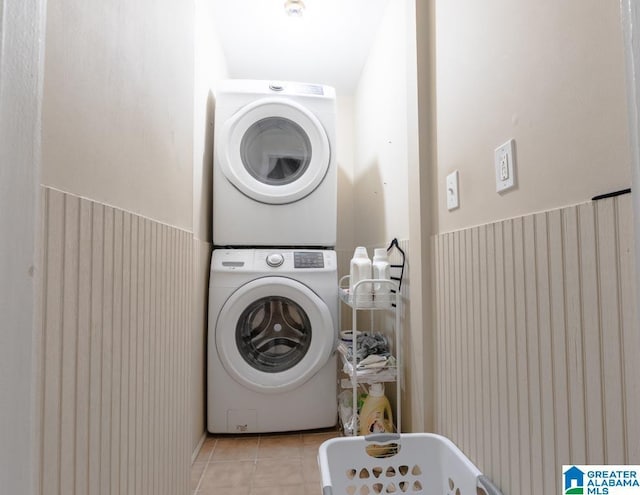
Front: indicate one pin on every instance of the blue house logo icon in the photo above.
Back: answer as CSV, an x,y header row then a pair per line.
x,y
573,481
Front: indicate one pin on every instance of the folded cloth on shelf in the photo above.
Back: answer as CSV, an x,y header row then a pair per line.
x,y
382,370
373,361
366,345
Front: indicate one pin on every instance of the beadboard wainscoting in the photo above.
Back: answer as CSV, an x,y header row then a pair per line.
x,y
117,313
536,343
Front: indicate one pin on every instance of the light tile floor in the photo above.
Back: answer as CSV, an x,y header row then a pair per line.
x,y
266,464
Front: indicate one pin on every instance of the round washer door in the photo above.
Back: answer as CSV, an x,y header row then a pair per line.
x,y
274,151
273,334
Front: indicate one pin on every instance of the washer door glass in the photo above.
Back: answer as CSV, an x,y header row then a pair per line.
x,y
273,334
274,151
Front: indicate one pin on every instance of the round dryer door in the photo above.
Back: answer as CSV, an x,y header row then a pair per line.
x,y
274,151
273,334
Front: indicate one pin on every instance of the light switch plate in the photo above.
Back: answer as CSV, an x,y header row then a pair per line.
x,y
453,200
505,166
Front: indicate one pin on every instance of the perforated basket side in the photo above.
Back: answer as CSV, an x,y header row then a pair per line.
x,y
415,463
355,466
458,473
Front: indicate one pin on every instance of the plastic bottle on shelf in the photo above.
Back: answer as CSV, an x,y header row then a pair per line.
x,y
376,415
360,270
381,270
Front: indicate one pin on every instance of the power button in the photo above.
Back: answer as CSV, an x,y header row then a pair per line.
x,y
275,259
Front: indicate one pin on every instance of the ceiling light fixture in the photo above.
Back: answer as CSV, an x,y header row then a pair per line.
x,y
294,8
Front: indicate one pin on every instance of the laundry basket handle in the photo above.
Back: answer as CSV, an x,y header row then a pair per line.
x,y
382,437
488,486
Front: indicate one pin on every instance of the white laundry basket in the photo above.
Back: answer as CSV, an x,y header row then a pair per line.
x,y
412,463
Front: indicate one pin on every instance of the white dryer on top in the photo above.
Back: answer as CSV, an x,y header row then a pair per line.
x,y
274,170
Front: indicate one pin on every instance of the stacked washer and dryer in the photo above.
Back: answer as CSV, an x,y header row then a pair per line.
x,y
273,281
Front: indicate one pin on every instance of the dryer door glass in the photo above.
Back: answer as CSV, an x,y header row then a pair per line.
x,y
273,334
275,151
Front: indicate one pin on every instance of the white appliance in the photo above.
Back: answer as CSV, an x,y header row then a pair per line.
x,y
272,335
274,166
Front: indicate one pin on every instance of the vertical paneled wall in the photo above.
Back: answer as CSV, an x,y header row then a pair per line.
x,y
117,312
536,343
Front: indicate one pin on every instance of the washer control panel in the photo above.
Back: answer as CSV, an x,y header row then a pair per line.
x,y
273,260
308,259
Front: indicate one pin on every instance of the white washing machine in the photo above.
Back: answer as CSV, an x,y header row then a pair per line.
x,y
274,170
272,335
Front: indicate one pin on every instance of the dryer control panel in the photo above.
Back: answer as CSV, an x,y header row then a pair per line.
x,y
297,88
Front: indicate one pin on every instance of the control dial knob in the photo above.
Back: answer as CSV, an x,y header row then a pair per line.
x,y
275,259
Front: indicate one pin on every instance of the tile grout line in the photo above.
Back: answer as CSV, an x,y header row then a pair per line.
x,y
255,466
206,465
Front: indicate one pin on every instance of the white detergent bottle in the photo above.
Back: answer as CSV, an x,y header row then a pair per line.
x,y
360,270
376,415
381,270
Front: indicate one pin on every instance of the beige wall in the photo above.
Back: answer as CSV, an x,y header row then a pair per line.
x,y
548,74
422,203
630,15
118,105
21,51
345,135
209,68
381,207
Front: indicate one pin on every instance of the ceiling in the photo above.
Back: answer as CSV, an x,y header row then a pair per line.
x,y
327,45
